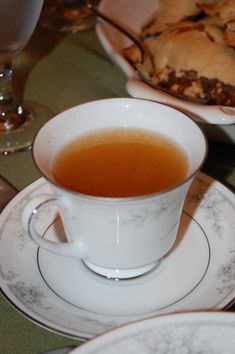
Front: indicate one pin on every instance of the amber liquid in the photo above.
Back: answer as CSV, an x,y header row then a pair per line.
x,y
120,163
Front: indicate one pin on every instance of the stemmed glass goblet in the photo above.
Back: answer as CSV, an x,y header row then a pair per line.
x,y
18,122
67,16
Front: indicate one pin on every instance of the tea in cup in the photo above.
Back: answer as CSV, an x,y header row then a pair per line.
x,y
119,170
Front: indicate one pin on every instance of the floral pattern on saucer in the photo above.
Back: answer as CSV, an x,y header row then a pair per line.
x,y
186,333
174,339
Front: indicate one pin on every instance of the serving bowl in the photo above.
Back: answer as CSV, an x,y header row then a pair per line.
x,y
218,122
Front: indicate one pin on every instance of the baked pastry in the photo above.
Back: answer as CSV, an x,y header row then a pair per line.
x,y
170,12
225,11
192,59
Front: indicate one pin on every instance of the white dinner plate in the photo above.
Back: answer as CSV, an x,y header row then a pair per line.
x,y
187,333
60,294
133,14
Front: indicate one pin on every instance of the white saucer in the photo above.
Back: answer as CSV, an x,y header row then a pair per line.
x,y
72,281
61,295
183,333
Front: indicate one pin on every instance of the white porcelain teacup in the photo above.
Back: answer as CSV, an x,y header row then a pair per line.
x,y
115,237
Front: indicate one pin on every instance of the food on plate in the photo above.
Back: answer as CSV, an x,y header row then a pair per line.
x,y
194,58
172,11
191,59
225,11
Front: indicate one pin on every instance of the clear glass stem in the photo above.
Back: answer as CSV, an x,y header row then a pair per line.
x,y
12,115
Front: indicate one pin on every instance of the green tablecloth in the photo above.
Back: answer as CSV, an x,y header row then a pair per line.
x,y
60,71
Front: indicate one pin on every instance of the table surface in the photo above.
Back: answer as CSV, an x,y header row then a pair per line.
x,y
61,71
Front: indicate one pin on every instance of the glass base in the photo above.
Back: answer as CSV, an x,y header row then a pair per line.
x,y
68,21
21,138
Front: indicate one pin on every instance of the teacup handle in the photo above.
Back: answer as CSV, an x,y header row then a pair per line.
x,y
34,205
